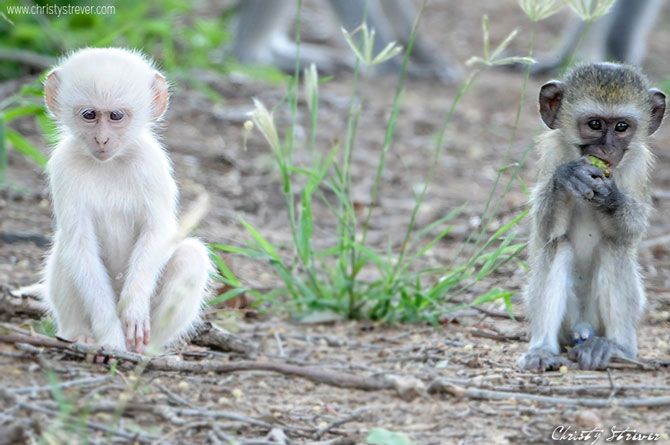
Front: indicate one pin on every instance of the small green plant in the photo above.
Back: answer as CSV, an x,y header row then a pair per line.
x,y
70,425
590,10
538,10
46,326
168,30
350,277
26,103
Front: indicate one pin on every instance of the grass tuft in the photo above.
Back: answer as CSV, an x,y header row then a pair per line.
x,y
349,276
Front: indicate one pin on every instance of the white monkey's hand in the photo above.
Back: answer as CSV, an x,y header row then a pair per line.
x,y
136,326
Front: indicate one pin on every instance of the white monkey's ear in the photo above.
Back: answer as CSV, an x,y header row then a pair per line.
x,y
51,85
161,96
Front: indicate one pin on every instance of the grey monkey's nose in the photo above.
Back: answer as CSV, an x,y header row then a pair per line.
x,y
103,142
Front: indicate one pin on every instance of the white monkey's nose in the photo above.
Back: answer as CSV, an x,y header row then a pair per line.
x,y
100,141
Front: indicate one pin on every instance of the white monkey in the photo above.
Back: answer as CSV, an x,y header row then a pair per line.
x,y
118,274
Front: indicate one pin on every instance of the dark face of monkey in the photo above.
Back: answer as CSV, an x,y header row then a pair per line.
x,y
606,137
605,115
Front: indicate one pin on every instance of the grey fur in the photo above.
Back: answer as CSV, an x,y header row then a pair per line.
x,y
583,258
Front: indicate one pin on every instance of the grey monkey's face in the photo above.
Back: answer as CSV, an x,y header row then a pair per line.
x,y
606,137
603,129
103,130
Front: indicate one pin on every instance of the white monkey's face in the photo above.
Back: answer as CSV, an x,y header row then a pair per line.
x,y
104,132
106,97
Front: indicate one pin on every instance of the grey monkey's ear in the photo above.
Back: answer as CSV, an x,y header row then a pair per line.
x,y
551,96
51,86
657,109
161,96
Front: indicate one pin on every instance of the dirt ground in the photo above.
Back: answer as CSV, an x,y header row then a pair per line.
x,y
472,352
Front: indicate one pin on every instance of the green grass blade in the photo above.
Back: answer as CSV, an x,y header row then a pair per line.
x,y
224,270
262,242
228,295
243,251
48,127
23,146
492,295
419,234
22,110
500,232
3,153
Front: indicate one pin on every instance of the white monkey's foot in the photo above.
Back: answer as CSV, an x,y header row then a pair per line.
x,y
594,353
540,360
84,339
90,341
113,338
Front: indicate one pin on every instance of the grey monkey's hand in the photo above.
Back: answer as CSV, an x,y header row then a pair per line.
x,y
606,195
583,180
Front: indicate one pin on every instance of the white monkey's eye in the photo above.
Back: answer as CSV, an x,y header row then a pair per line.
x,y
116,115
595,124
88,114
621,127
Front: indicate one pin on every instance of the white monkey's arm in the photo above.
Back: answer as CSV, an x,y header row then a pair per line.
x,y
150,254
79,251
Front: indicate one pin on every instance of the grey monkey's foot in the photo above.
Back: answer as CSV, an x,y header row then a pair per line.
x,y
594,353
541,360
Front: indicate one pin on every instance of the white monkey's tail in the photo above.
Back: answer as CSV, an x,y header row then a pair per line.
x,y
37,290
192,217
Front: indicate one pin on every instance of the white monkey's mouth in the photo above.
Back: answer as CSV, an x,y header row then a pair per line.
x,y
103,155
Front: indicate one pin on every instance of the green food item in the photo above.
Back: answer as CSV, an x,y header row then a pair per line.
x,y
599,163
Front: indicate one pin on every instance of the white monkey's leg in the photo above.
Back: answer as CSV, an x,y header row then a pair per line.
x,y
548,292
181,293
63,302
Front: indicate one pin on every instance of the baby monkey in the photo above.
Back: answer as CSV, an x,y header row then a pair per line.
x,y
118,274
585,288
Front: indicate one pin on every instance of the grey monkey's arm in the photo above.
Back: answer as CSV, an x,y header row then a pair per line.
x,y
623,216
552,210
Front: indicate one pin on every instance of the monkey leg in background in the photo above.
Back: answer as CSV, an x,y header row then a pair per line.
x,y
621,36
261,36
586,224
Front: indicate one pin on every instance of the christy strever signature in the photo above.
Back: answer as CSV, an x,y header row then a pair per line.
x,y
627,434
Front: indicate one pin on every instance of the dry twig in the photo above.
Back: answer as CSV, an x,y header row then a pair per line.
x,y
486,394
315,374
212,336
339,422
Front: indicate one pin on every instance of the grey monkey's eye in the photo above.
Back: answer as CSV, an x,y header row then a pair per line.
x,y
595,124
116,115
621,127
88,114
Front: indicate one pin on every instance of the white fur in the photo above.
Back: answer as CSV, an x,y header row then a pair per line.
x,y
112,266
